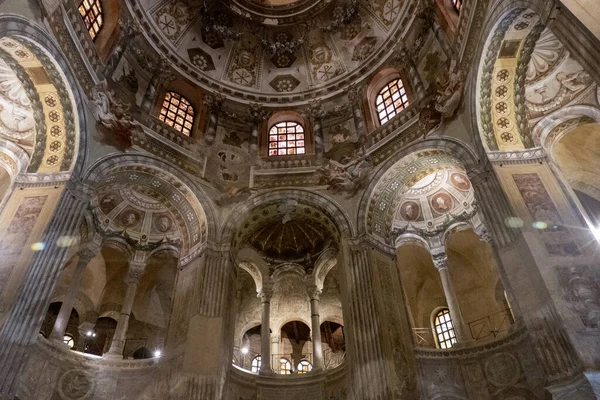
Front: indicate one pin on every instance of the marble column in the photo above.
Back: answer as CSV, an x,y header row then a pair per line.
x,y
404,60
317,114
60,325
213,103
257,116
128,31
22,324
354,99
314,293
134,275
161,73
368,365
275,340
440,261
265,330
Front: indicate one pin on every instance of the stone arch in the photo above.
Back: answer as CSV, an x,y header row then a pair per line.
x,y
513,87
377,200
71,155
186,201
324,204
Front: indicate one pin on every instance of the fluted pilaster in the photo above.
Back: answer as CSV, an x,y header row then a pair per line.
x,y
27,313
369,375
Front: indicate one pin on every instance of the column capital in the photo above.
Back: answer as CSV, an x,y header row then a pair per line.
x,y
135,272
213,100
440,260
265,294
486,237
258,113
87,254
354,93
275,338
313,291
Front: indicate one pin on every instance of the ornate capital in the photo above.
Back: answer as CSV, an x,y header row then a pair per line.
x,y
86,255
486,237
213,100
258,113
440,261
355,93
266,293
313,292
136,271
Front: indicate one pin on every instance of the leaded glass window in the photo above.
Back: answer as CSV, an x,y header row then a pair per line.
x,y
391,100
177,112
91,12
286,139
256,363
444,329
285,367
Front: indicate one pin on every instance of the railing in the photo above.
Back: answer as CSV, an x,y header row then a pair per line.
x,y
333,359
488,327
491,325
424,337
330,359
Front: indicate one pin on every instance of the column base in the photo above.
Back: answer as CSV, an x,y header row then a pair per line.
x,y
266,372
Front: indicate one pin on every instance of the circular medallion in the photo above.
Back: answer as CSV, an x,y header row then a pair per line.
x,y
442,203
75,385
502,369
410,211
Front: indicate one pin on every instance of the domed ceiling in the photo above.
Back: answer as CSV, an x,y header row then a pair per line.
x,y
275,47
288,231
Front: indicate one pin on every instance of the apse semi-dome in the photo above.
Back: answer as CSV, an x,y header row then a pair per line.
x,y
275,50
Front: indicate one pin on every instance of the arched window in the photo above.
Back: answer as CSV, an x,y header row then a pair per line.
x,y
457,5
444,329
256,363
391,100
91,12
286,138
69,341
304,366
177,112
285,367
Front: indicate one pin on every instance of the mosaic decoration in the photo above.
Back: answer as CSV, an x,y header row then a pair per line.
x,y
51,104
554,234
20,227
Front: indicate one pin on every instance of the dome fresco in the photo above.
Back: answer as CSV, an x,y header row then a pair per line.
x,y
285,48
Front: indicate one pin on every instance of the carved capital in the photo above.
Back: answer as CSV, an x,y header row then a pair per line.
x,y
354,93
258,113
440,261
136,271
86,255
313,292
266,293
213,100
486,237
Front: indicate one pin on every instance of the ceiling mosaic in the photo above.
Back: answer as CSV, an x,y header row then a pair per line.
x,y
434,199
417,189
35,106
524,60
149,207
274,47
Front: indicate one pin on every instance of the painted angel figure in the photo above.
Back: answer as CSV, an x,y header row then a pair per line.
x,y
113,116
449,95
348,177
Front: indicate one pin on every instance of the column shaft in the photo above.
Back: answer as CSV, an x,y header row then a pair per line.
x,y
62,320
441,263
265,334
136,270
316,334
368,365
